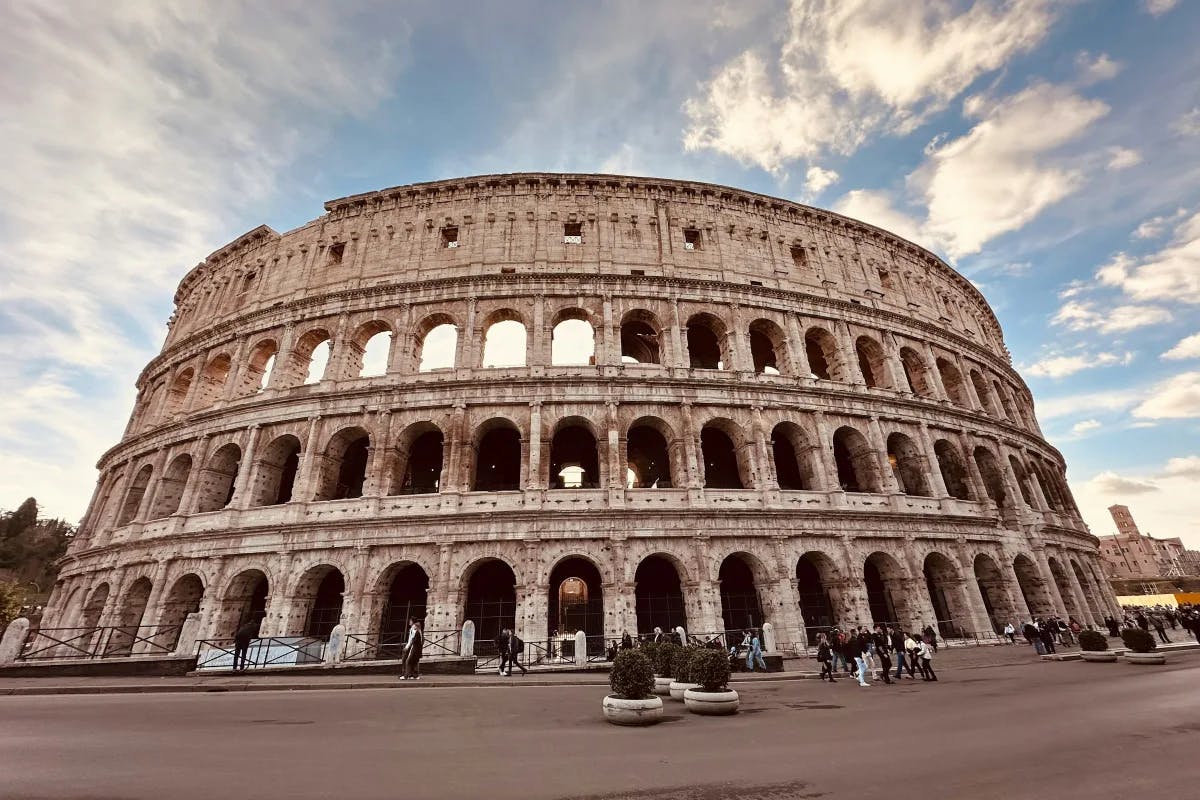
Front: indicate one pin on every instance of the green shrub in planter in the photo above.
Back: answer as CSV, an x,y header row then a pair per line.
x,y
664,658
631,677
681,669
1138,640
648,649
1093,641
710,669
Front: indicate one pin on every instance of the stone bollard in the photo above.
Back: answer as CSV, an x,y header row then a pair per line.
x,y
580,649
335,648
188,633
466,643
769,645
14,639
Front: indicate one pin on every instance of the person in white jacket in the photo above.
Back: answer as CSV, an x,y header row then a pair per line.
x,y
925,650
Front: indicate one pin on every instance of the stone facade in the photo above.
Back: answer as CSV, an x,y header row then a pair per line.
x,y
1131,555
789,416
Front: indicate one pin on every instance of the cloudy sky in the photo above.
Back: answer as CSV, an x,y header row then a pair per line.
x,y
1050,150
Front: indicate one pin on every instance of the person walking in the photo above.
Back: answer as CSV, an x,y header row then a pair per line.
x,y
1010,632
926,653
835,650
858,650
247,633
911,647
754,657
1111,624
883,648
825,657
626,641
411,658
1156,620
502,649
931,636
896,639
516,647
1047,636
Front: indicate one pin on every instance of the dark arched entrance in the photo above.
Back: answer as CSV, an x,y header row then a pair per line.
x,y
491,603
740,606
815,607
658,596
326,609
576,599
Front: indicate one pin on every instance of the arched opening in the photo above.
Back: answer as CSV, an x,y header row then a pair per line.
x,y
740,606
504,344
793,456
572,343
993,480
171,486
908,465
576,602
258,371
768,348
994,590
1033,589
658,595
1048,491
310,357
916,373
148,404
573,460
884,579
981,391
1022,479
371,347
943,583
177,394
212,380
184,598
275,476
438,347
952,379
1064,587
824,358
317,602
872,363
1005,403
217,480
422,464
640,339
648,459
129,619
90,617
1089,595
857,469
245,601
344,465
950,464
706,342
491,602
498,459
406,600
134,495
814,573
721,467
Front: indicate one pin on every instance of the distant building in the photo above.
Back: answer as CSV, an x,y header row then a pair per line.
x,y
1137,562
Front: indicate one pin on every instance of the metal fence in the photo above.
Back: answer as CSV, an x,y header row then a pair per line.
x,y
271,651
383,646
119,641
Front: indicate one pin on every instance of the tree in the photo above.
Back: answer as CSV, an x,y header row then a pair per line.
x,y
30,547
10,604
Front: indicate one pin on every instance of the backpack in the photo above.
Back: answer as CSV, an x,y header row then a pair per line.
x,y
516,645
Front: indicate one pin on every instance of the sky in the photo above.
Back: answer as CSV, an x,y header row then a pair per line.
x,y
1049,150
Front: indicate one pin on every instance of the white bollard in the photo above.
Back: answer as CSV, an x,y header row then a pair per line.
x,y
14,639
466,643
580,649
188,633
769,644
335,648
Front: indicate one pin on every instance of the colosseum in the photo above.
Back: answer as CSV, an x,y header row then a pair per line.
x,y
566,402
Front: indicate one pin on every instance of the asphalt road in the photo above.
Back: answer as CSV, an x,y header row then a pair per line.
x,y
1010,731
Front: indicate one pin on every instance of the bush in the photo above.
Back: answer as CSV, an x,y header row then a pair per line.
x,y
649,650
1138,640
631,677
664,658
681,664
710,669
1092,640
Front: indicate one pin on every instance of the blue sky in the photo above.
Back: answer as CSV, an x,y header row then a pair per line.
x,y
1049,150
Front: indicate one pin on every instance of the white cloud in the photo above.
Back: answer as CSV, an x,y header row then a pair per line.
x,y
1001,174
1159,7
1080,315
1123,158
1099,68
1085,426
135,135
1165,502
1088,403
1186,466
1156,226
876,208
845,72
1177,397
1188,347
1188,124
1062,366
1170,274
817,179
1110,483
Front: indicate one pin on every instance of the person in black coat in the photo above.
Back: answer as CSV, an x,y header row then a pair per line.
x,y
515,648
825,657
502,648
247,633
411,657
883,651
1048,637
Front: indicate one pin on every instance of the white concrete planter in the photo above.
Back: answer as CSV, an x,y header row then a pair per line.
x,y
662,686
1145,658
711,703
677,689
619,711
1098,656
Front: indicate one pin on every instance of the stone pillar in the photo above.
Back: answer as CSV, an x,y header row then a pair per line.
x,y
797,349
237,368
246,470
377,483
624,612
888,478
768,481
895,367
615,447
283,358
934,375
308,476
1012,585
466,641
853,372
691,446
679,351
827,466
189,634
187,499
1060,607
974,477
534,472
580,649
1085,609
14,640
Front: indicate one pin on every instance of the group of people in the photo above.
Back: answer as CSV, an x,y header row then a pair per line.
x,y
856,651
1049,633
1186,616
510,648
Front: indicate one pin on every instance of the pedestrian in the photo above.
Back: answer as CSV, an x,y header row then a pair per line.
x,y
926,652
754,657
1048,637
247,633
516,647
1156,619
502,648
1141,621
835,647
1010,632
858,650
658,634
931,637
883,648
1111,624
911,648
825,657
411,658
626,641
896,639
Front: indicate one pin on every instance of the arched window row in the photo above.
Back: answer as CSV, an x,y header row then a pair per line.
x,y
504,337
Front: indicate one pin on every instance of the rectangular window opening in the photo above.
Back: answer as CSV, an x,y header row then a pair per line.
x,y
756,283
691,239
573,233
450,236
799,257
336,251
507,270
247,282
885,279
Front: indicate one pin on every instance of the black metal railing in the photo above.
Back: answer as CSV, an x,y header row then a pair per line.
x,y
270,651
117,641
385,646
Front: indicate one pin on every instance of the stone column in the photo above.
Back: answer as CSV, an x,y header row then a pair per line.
x,y
237,368
308,477
891,357
246,468
608,344
377,483
693,465
616,477
933,469
1060,607
679,352
767,479
828,477
888,478
534,476
1085,609
187,500
853,373
1012,585
978,487
934,375
283,358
